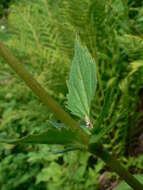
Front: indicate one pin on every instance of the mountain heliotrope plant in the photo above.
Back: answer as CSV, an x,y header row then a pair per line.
x,y
69,133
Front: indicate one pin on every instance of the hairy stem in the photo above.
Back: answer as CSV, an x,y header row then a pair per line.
x,y
66,118
53,106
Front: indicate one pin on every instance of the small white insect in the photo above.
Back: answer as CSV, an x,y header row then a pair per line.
x,y
88,123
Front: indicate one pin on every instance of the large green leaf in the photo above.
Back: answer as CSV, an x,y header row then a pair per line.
x,y
124,186
61,136
82,82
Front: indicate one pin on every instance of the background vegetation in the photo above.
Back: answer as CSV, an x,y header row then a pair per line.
x,y
41,34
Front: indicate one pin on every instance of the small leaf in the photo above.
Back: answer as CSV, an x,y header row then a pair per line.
x,y
135,66
124,186
82,82
61,136
84,127
56,124
67,149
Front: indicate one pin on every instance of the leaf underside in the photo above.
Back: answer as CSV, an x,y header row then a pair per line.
x,y
82,82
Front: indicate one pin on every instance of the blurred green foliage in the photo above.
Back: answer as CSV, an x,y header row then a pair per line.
x,y
125,186
41,34
4,5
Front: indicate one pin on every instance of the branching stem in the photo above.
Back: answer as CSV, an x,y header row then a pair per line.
x,y
60,114
52,105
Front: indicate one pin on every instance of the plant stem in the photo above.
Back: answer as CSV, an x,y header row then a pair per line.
x,y
54,107
115,166
66,118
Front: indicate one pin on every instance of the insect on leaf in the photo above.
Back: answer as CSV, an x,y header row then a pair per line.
x,y
82,82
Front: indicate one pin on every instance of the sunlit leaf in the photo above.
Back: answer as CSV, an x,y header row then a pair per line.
x,y
82,82
135,66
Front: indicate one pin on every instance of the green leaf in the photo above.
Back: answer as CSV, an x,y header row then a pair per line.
x,y
84,127
82,82
135,66
52,172
61,136
105,109
99,129
101,132
124,186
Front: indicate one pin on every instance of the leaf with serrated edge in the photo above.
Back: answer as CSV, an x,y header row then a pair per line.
x,y
82,82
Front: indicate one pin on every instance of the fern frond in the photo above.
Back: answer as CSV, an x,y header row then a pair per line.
x,y
131,46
